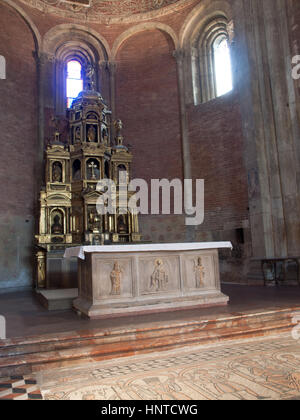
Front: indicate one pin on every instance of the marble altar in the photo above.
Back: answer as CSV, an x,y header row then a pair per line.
x,y
120,280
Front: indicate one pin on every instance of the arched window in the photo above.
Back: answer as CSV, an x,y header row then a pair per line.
x,y
211,60
222,66
74,83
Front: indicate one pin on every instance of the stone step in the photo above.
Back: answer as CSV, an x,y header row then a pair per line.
x,y
57,300
24,356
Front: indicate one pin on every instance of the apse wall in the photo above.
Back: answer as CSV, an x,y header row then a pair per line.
x,y
147,99
217,157
18,143
148,103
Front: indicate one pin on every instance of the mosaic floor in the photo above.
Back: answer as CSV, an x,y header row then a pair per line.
x,y
266,368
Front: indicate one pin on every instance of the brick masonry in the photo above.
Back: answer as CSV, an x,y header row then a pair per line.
x,y
147,100
18,136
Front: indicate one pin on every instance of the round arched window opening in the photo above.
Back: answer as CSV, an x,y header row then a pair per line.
x,y
222,64
74,82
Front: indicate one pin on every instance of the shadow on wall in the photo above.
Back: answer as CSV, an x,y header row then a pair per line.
x,y
16,243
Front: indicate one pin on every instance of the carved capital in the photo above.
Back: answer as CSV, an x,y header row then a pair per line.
x,y
194,52
179,55
103,65
111,66
231,31
43,58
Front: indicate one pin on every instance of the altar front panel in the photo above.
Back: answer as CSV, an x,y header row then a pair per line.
x,y
139,282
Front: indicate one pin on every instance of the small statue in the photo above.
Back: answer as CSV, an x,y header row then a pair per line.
x,y
41,271
57,172
94,221
122,228
98,240
57,228
77,135
89,74
199,273
57,137
159,278
115,277
119,136
119,126
105,136
91,134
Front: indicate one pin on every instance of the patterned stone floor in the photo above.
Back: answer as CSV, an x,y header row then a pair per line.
x,y
266,368
19,388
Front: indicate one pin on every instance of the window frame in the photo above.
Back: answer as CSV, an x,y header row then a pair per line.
x,y
202,57
220,39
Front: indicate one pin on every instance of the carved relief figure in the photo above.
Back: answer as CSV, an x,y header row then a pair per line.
x,y
115,277
159,278
199,273
57,172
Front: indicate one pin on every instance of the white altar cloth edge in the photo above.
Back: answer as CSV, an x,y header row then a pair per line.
x,y
80,251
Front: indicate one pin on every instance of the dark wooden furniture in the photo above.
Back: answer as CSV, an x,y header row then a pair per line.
x,y
274,262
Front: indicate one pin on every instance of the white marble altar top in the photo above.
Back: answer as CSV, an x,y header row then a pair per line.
x,y
79,251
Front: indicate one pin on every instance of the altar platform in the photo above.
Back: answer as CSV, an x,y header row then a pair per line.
x,y
61,338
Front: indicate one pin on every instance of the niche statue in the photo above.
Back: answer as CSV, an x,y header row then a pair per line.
x,y
57,172
91,134
57,228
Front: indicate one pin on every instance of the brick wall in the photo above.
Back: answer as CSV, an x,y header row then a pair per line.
x,y
148,103
18,116
216,147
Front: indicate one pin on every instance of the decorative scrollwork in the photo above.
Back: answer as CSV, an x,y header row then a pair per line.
x,y
97,8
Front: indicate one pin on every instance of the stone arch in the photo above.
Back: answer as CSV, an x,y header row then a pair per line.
x,y
33,28
165,29
60,34
206,23
69,41
199,15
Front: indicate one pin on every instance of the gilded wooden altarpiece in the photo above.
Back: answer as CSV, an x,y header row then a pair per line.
x,y
68,212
